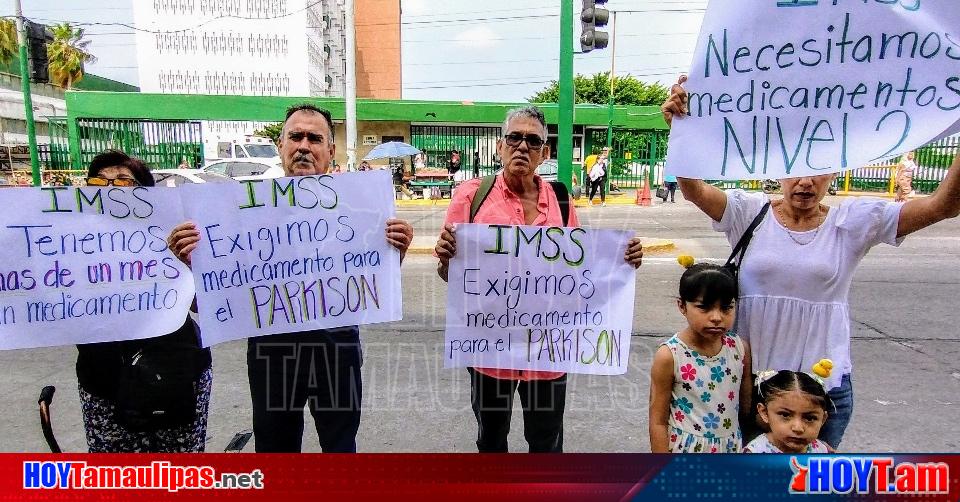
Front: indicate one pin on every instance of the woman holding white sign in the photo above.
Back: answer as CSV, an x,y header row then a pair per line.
x,y
795,312
143,396
516,197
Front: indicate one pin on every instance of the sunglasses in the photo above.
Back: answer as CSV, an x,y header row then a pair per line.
x,y
514,139
96,181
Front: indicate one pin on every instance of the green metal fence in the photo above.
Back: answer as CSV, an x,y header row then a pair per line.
x,y
477,146
634,154
159,143
933,161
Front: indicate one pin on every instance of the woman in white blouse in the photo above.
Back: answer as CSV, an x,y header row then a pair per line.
x,y
795,278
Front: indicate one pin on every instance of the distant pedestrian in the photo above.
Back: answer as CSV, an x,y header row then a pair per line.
x,y
904,177
598,178
454,165
476,164
670,182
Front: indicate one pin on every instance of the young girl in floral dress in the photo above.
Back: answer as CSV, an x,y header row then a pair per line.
x,y
700,380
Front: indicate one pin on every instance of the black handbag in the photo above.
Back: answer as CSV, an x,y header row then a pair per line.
x,y
157,385
736,257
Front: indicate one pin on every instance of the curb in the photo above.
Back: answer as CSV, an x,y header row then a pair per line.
x,y
657,246
650,246
421,203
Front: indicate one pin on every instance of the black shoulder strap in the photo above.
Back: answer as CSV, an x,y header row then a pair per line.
x,y
741,247
486,184
563,198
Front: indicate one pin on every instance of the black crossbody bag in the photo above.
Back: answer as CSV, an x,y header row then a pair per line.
x,y
736,257
156,388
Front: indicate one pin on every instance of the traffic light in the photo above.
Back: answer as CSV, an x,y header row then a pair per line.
x,y
593,17
37,39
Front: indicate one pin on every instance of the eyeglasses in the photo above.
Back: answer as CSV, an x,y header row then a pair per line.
x,y
96,181
514,139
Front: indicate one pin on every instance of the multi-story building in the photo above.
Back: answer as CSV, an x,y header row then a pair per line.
x,y
240,47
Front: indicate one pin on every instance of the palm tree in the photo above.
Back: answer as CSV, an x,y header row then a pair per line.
x,y
8,40
67,54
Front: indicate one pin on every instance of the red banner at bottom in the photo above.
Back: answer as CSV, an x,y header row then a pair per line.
x,y
474,477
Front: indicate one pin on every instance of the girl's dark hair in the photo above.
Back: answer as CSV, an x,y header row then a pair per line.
x,y
708,283
787,381
116,158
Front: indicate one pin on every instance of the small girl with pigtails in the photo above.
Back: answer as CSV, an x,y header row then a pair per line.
x,y
794,405
700,379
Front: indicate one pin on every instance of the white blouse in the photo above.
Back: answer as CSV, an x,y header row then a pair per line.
x,y
794,299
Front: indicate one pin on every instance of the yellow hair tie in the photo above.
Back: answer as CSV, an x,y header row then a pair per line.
x,y
823,368
685,260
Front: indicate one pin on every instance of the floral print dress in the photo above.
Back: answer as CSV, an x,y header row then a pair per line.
x,y
705,401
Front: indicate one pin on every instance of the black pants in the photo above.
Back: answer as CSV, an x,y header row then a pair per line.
x,y
600,183
316,368
543,403
671,190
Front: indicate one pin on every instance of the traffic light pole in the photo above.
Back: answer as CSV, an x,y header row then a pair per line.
x,y
613,59
565,105
27,99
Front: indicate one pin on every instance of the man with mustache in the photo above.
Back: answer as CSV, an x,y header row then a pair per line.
x,y
517,197
321,367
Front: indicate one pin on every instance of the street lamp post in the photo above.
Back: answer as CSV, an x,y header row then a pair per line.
x,y
565,105
27,98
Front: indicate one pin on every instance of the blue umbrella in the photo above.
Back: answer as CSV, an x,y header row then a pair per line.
x,y
391,149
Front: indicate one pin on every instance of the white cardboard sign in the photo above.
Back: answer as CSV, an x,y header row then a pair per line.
x,y
91,264
539,298
293,254
793,88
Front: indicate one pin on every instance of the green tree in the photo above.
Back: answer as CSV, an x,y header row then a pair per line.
x,y
8,40
627,90
67,54
271,131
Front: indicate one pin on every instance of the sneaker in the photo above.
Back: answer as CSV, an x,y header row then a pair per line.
x,y
603,204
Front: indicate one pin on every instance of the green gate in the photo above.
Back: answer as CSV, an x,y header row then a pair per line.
x,y
477,146
59,148
162,144
634,155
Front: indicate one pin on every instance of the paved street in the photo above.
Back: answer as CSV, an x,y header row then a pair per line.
x,y
906,349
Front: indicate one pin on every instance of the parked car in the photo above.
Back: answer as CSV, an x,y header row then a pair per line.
x,y
250,169
548,170
177,177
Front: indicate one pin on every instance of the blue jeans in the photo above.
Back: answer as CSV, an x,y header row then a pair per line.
x,y
838,419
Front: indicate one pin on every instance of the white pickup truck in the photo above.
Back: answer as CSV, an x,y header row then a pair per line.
x,y
240,147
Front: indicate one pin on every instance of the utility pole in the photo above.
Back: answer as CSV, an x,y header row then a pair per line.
x,y
613,60
27,98
565,105
350,94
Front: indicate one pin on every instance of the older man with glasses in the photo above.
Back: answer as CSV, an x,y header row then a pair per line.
x,y
517,196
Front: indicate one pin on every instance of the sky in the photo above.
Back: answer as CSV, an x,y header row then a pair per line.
x,y
494,50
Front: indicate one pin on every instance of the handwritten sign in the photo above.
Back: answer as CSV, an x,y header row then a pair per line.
x,y
89,264
539,298
793,88
293,254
